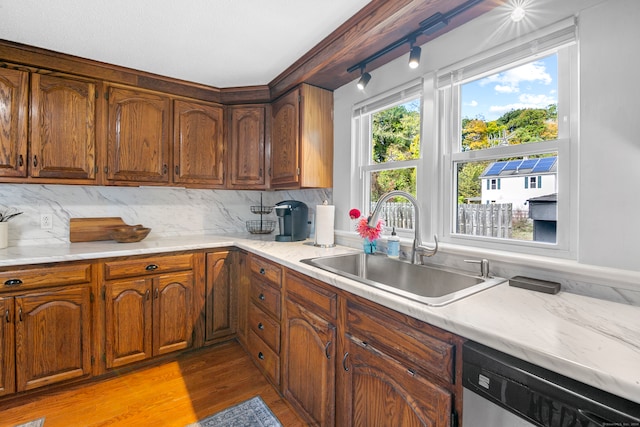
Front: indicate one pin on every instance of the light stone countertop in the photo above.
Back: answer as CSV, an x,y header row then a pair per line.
x,y
591,340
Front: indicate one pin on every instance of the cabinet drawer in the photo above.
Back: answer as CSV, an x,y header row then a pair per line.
x,y
32,278
404,339
266,358
305,292
151,265
267,270
265,297
265,327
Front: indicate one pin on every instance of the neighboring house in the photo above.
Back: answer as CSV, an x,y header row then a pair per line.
x,y
516,181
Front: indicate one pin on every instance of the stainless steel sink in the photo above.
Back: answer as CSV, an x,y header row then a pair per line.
x,y
429,285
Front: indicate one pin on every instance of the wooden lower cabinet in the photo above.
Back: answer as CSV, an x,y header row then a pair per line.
x,y
7,346
221,295
378,390
147,317
309,353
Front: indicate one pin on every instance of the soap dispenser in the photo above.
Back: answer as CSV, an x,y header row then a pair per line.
x,y
393,245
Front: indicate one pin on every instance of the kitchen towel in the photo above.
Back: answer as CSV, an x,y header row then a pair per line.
x,y
325,215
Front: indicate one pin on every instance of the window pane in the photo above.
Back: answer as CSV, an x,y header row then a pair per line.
x,y
514,198
516,106
396,133
398,212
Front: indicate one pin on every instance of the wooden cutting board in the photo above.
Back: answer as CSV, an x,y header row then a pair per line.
x,y
92,229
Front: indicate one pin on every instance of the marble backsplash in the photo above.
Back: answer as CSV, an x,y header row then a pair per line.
x,y
168,211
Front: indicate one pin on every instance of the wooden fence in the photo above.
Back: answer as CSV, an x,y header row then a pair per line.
x,y
493,220
398,215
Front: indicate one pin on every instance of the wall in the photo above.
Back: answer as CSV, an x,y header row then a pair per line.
x,y
168,211
607,253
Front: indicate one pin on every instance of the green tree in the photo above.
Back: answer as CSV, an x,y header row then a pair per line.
x,y
469,180
396,137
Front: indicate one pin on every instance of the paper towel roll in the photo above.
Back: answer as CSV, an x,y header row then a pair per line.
x,y
325,215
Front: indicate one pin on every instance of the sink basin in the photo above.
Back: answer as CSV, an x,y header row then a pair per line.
x,y
428,285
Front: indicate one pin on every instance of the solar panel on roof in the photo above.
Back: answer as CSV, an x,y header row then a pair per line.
x,y
528,164
495,169
512,165
544,165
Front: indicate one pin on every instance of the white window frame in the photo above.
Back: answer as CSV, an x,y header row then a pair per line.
x,y
361,126
561,38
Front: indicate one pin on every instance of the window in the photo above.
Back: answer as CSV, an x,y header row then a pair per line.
x,y
388,135
506,119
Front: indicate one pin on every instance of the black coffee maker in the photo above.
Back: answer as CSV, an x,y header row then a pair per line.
x,y
293,217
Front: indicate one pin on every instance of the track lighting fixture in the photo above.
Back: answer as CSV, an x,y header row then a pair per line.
x,y
429,26
414,56
364,80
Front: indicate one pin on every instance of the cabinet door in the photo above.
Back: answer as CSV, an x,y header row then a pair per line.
x,y
247,147
172,305
138,136
221,312
53,337
7,364
308,378
380,391
198,142
63,143
285,140
128,322
242,279
14,86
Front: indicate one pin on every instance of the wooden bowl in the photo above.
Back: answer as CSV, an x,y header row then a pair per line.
x,y
129,233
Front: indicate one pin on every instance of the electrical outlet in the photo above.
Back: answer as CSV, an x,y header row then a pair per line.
x,y
46,221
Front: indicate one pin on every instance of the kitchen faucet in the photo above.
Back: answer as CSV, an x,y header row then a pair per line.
x,y
417,242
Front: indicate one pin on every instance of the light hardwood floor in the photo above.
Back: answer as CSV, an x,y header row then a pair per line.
x,y
175,393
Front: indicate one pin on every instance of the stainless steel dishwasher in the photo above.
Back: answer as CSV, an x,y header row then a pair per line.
x,y
503,391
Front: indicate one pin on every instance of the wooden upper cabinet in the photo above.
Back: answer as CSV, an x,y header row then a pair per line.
x,y
302,139
138,136
199,146
63,142
247,147
14,101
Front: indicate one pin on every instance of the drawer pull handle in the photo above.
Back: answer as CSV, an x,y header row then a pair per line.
x,y
262,271
326,350
411,372
35,161
260,355
260,326
6,316
20,314
13,282
344,362
261,297
151,267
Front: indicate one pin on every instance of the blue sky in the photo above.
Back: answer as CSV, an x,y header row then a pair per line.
x,y
532,85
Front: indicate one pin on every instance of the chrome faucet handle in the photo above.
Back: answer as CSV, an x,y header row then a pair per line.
x,y
425,251
484,266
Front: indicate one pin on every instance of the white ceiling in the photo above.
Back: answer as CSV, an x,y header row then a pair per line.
x,y
222,43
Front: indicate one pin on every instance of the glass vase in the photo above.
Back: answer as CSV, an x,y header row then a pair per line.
x,y
370,246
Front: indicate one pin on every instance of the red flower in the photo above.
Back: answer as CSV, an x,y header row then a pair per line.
x,y
354,213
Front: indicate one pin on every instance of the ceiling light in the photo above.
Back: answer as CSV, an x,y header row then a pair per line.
x,y
364,79
414,57
517,14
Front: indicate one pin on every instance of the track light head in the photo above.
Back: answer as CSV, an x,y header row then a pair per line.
x,y
414,57
364,80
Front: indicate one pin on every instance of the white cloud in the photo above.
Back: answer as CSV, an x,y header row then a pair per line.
x,y
510,80
526,100
473,103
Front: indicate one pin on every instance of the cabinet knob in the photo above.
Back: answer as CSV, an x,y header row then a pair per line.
x,y
7,316
20,314
146,294
261,297
260,326
165,169
20,160
260,355
35,161
151,267
13,282
156,294
177,170
411,372
262,271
